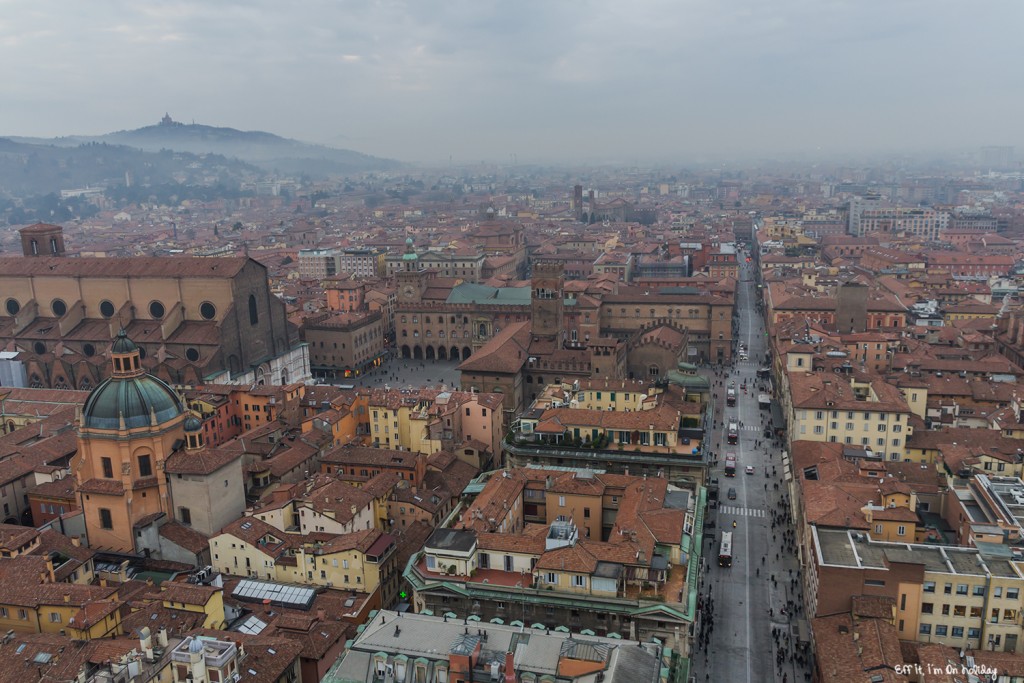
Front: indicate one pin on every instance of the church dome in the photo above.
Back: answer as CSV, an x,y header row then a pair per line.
x,y
193,424
130,394
137,399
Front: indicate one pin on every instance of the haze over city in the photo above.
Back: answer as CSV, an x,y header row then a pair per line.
x,y
528,81
441,342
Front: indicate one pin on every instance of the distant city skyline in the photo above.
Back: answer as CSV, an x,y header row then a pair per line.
x,y
534,82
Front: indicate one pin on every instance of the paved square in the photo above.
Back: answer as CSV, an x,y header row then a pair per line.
x,y
399,373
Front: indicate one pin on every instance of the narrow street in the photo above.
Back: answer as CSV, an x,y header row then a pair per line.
x,y
746,628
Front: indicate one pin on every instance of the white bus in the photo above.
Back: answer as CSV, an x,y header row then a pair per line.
x,y
725,550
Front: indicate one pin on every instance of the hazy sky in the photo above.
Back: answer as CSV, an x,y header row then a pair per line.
x,y
630,80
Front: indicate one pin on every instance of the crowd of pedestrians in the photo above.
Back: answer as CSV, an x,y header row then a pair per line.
x,y
781,574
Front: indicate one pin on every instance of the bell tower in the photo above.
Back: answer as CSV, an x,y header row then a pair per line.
x,y
410,278
547,299
42,239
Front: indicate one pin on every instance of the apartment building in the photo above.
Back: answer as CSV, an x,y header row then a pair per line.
x,y
959,597
425,487
31,601
361,263
836,486
848,407
986,509
49,444
867,215
428,420
468,424
431,649
207,485
345,294
208,659
345,344
362,561
463,263
228,410
623,426
22,406
594,552
318,264
708,317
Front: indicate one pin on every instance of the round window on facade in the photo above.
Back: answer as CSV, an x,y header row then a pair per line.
x,y
107,309
39,348
88,350
207,310
191,354
58,307
156,310
13,306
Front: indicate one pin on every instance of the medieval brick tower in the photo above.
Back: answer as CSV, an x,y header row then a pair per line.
x,y
547,300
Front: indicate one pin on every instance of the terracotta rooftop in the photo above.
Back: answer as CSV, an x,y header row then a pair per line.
x,y
851,651
185,537
115,267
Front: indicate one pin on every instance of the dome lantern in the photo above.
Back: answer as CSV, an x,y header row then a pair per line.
x,y
125,356
193,433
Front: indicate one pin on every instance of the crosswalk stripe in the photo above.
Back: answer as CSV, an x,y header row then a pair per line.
x,y
741,511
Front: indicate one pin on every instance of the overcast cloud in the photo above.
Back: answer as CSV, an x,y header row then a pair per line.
x,y
545,80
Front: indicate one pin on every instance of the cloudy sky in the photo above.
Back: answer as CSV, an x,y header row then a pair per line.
x,y
547,80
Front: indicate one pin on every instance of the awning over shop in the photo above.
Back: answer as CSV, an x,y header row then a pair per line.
x,y
778,418
803,632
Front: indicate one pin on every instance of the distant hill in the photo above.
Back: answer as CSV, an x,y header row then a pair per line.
x,y
266,150
38,169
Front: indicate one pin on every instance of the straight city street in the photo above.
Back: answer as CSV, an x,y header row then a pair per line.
x,y
747,620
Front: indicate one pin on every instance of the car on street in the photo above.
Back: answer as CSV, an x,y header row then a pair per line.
x,y
732,494
750,469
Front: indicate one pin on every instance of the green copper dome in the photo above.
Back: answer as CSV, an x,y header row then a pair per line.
x,y
137,399
122,344
410,251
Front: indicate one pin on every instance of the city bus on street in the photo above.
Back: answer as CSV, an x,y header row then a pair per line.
x,y
725,550
733,435
730,465
730,396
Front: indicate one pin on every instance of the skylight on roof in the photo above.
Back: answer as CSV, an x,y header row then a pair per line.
x,y
252,626
278,593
